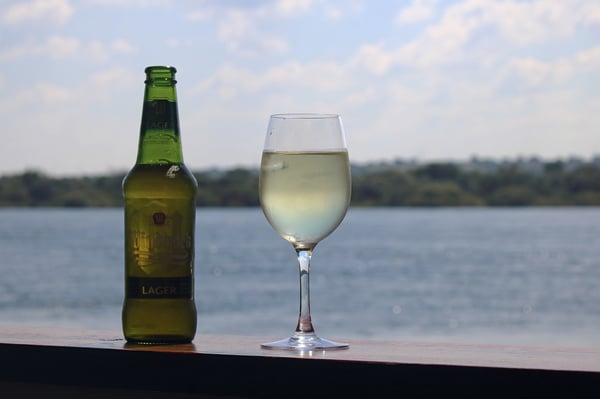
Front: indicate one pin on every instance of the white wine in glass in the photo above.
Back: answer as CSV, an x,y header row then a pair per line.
x,y
305,188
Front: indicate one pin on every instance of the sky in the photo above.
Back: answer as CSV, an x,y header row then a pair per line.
x,y
426,80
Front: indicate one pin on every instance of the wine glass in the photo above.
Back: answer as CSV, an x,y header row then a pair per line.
x,y
304,189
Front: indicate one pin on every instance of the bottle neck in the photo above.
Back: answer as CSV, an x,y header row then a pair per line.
x,y
160,141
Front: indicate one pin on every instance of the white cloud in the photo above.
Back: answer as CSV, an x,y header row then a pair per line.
x,y
547,73
589,57
590,12
101,84
58,47
246,30
15,52
291,7
425,64
201,15
44,94
519,21
123,46
230,81
359,98
97,51
418,11
174,43
55,11
54,94
496,25
55,47
535,21
239,30
373,58
535,72
112,77
333,13
444,42
132,3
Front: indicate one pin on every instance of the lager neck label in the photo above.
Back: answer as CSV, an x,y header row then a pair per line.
x,y
159,135
160,115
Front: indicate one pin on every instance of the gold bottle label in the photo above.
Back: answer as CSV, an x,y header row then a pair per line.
x,y
159,240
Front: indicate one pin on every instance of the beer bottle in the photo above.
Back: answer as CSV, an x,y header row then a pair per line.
x,y
160,209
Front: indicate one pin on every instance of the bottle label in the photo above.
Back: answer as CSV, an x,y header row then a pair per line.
x,y
159,248
160,115
159,288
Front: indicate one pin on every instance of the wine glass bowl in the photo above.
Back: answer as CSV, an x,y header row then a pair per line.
x,y
304,190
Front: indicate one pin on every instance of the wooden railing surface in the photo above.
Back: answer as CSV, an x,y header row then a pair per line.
x,y
93,364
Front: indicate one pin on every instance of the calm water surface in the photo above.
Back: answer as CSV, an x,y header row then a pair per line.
x,y
524,276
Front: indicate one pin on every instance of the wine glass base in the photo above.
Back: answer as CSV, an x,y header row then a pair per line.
x,y
304,342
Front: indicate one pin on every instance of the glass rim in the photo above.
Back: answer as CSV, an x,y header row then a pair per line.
x,y
304,115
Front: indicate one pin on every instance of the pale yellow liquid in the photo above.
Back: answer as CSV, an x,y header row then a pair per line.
x,y
305,195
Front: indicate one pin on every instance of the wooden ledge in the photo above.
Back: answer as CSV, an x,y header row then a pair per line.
x,y
72,362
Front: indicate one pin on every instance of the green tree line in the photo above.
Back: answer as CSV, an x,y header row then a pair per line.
x,y
431,184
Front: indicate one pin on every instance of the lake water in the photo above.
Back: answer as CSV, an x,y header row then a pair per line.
x,y
519,276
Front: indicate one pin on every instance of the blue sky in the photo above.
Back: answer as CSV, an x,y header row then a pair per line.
x,y
420,79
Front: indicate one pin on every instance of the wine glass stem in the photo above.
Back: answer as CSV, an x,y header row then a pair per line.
x,y
304,320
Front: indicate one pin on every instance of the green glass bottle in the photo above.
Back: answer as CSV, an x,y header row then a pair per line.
x,y
160,212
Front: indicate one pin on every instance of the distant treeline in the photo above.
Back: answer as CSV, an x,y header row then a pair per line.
x,y
518,183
